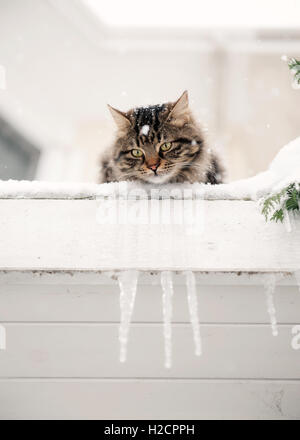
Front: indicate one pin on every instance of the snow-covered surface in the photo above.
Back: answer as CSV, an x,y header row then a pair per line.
x,y
145,130
285,168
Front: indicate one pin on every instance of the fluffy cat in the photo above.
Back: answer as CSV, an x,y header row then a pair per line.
x,y
160,144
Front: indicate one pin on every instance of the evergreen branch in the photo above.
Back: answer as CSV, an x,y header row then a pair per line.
x,y
294,66
288,199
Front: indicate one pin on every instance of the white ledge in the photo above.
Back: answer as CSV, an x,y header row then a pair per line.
x,y
63,235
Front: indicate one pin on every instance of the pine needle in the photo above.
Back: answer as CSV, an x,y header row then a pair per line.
x,y
287,199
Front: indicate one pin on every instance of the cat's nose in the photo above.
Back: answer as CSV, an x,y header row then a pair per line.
x,y
153,167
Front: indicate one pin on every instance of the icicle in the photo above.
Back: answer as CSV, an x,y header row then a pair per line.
x,y
128,284
193,309
167,286
270,284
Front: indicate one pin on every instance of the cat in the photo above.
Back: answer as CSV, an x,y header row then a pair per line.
x,y
160,144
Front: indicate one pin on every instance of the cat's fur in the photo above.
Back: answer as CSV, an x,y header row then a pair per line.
x,y
147,129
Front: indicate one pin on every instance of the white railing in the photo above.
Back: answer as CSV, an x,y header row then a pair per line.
x,y
59,306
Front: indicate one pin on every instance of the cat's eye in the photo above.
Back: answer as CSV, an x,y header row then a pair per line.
x,y
137,153
166,146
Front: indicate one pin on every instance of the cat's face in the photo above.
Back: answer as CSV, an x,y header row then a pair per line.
x,y
155,143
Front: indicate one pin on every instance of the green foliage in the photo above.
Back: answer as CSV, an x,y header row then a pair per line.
x,y
288,199
275,206
294,66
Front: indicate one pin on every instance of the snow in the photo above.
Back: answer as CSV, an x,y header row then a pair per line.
x,y
128,285
145,130
193,309
284,169
24,189
270,284
167,287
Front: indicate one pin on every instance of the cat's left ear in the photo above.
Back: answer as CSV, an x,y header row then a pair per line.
x,y
179,114
120,118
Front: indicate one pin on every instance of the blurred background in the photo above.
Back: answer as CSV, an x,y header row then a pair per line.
x,y
62,61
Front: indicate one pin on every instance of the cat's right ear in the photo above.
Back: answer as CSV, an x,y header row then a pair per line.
x,y
120,118
179,113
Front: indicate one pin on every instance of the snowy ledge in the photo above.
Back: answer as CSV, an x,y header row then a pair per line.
x,y
253,188
227,233
241,190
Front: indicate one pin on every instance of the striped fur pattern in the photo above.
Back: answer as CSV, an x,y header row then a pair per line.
x,y
160,144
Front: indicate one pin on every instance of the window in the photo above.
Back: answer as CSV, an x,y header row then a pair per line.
x,y
18,157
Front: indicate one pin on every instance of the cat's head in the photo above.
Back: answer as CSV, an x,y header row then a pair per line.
x,y
155,143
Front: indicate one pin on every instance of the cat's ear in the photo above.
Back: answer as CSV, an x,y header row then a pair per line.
x,y
120,118
179,113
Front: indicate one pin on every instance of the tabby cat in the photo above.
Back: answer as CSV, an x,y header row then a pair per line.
x,y
160,144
